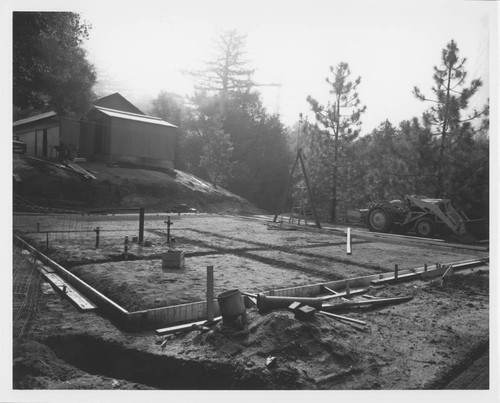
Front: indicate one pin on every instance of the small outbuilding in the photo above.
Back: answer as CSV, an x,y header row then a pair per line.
x,y
44,134
126,135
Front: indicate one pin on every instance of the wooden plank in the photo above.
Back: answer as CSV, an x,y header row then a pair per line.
x,y
184,327
370,302
343,294
340,317
91,293
78,299
448,272
77,168
400,278
45,269
330,290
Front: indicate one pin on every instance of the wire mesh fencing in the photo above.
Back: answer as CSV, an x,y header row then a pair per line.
x,y
25,291
76,232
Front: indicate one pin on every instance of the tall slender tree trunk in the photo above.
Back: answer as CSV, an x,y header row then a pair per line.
x,y
333,211
442,147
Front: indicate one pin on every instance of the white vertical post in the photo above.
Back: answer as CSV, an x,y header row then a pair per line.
x,y
210,293
349,251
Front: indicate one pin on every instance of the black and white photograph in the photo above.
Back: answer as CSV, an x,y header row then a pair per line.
x,y
250,200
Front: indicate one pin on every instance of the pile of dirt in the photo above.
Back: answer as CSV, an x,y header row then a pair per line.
x,y
280,339
119,187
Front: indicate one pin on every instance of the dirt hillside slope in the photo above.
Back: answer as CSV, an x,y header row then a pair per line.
x,y
118,186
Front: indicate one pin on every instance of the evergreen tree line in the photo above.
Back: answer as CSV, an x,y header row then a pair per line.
x,y
444,154
393,161
226,134
228,137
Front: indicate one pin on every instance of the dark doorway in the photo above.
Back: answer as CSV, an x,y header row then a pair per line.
x,y
44,143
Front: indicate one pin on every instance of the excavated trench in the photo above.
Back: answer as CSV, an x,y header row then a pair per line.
x,y
448,378
98,357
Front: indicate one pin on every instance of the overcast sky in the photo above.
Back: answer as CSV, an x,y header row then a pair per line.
x,y
141,48
393,46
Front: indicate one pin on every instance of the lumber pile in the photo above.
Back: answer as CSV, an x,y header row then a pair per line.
x,y
78,169
67,166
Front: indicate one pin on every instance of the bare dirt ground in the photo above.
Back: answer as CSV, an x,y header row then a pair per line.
x,y
426,343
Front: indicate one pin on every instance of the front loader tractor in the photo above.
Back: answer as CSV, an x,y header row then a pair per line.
x,y
419,214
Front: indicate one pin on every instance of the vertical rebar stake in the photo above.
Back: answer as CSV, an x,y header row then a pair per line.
x,y
141,226
169,223
425,267
47,240
97,230
396,268
349,250
210,294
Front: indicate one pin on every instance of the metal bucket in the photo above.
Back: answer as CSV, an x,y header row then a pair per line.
x,y
231,303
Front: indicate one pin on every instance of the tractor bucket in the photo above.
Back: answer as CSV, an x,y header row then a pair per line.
x,y
466,238
475,230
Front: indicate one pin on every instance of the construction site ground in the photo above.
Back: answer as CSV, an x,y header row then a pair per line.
x,y
437,340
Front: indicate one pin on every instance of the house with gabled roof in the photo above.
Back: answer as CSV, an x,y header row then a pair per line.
x,y
118,102
126,135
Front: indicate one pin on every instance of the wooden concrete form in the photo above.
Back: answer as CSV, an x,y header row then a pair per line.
x,y
315,289
103,302
145,319
408,240
190,312
152,318
78,299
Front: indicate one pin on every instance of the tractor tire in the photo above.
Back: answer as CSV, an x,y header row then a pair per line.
x,y
380,217
425,227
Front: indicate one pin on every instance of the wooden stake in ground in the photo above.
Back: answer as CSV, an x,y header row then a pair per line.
x,y
349,241
169,223
210,293
141,226
97,229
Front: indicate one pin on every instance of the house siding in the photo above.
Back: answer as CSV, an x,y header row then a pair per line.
x,y
33,135
142,143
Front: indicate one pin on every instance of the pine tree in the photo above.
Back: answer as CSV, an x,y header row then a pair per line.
x,y
217,152
339,120
228,72
450,98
